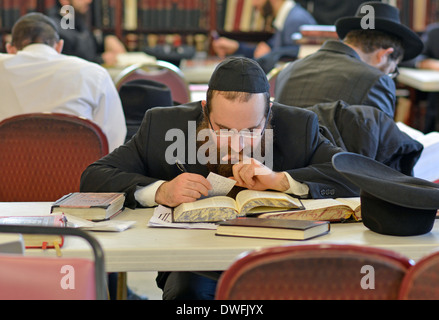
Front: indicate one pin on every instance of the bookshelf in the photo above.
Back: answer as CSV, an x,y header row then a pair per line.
x,y
141,23
150,22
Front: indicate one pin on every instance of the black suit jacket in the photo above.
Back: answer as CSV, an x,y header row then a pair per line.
x,y
335,72
370,132
299,149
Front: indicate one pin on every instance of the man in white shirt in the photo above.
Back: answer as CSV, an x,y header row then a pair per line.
x,y
36,77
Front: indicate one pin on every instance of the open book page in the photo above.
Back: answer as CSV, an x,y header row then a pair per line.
x,y
354,203
209,209
162,217
322,209
251,201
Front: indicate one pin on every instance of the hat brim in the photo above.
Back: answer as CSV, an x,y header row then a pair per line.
x,y
386,183
411,42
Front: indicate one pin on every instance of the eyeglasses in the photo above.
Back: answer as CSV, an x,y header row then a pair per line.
x,y
394,74
245,133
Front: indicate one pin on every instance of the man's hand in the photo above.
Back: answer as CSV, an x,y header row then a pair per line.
x,y
261,50
186,187
252,174
224,47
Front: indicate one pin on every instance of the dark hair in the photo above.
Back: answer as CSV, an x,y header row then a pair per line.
x,y
371,40
34,28
234,95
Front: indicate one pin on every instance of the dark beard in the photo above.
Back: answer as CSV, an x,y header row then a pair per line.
x,y
224,169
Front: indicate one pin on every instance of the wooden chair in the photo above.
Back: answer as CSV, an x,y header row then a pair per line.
x,y
314,272
161,71
422,280
52,278
42,155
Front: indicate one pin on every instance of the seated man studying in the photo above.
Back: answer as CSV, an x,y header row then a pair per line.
x,y
262,146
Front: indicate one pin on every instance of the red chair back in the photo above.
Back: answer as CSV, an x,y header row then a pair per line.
x,y
163,72
422,280
314,272
42,155
52,278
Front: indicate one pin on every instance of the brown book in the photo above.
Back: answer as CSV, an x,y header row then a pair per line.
x,y
339,209
248,202
39,240
89,205
273,229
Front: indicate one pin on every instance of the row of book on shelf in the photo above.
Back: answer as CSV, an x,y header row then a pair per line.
x,y
230,15
154,15
181,15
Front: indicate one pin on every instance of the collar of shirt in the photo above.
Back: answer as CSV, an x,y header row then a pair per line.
x,y
339,47
282,15
39,48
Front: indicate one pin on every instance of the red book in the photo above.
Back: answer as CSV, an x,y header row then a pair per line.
x,y
238,15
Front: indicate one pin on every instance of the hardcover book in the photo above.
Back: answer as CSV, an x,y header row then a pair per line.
x,y
38,240
273,229
89,205
248,202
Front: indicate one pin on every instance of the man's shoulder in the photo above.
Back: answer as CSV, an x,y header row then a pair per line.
x,y
80,65
285,112
176,114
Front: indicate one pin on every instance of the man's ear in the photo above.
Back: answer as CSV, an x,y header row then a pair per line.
x,y
59,46
383,54
11,49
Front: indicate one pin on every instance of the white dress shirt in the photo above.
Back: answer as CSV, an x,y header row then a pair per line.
x,y
39,79
281,16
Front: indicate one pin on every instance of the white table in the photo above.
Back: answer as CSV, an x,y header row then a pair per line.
x,y
423,80
151,249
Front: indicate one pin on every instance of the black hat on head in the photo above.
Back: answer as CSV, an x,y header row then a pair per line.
x,y
387,21
392,203
239,74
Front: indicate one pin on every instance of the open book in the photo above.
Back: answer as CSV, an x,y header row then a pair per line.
x,y
339,209
248,202
426,167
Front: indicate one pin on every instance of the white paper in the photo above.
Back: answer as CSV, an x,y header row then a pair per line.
x,y
105,225
221,186
162,217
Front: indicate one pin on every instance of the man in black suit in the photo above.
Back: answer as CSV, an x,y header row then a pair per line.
x,y
259,144
79,39
358,70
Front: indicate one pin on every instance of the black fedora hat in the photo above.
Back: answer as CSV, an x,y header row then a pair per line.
x,y
387,21
391,202
137,96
